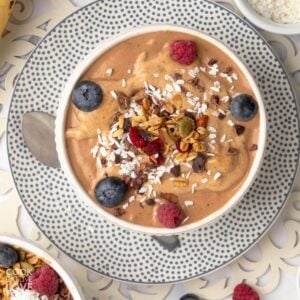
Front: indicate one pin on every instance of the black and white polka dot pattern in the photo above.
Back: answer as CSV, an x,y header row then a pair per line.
x,y
79,231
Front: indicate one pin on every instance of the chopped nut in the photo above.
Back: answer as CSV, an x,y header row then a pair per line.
x,y
146,104
181,157
192,156
199,147
169,197
177,101
118,133
121,121
123,100
170,107
127,125
180,182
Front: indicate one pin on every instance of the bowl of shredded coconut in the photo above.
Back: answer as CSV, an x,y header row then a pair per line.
x,y
278,16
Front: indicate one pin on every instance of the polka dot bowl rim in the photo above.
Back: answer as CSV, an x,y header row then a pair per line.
x,y
49,259
60,124
265,23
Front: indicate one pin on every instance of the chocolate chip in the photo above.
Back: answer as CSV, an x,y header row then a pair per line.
x,y
123,100
138,182
103,162
232,151
199,163
184,90
215,101
176,171
239,129
117,159
177,76
150,201
228,70
116,117
127,125
253,147
118,211
212,61
193,81
169,197
221,116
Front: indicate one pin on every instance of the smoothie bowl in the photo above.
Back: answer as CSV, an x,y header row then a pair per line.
x,y
161,129
28,272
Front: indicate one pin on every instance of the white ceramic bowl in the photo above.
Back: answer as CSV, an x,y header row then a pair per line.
x,y
265,23
61,118
70,282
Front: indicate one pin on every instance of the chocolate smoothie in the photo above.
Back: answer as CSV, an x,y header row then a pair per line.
x,y
177,124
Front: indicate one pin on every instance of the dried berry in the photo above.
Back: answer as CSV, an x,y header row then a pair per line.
x,y
186,126
239,129
175,171
199,163
202,121
137,138
154,147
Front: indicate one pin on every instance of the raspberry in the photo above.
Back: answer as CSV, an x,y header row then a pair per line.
x,y
169,215
136,138
154,147
244,292
183,52
44,280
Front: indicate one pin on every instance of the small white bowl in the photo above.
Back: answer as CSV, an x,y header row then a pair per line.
x,y
265,23
61,120
69,281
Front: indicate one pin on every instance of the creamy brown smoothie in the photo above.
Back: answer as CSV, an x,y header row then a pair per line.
x,y
165,128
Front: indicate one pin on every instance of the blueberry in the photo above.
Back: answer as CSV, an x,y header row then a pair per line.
x,y
189,297
110,191
87,95
8,256
243,107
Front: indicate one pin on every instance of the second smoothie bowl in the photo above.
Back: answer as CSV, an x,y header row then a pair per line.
x,y
161,129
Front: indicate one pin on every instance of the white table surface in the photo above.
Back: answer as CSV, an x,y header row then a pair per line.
x,y
287,287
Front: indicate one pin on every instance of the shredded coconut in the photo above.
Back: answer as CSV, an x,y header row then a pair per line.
x,y
280,11
20,294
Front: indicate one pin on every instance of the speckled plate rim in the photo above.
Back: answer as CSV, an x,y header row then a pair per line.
x,y
246,23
